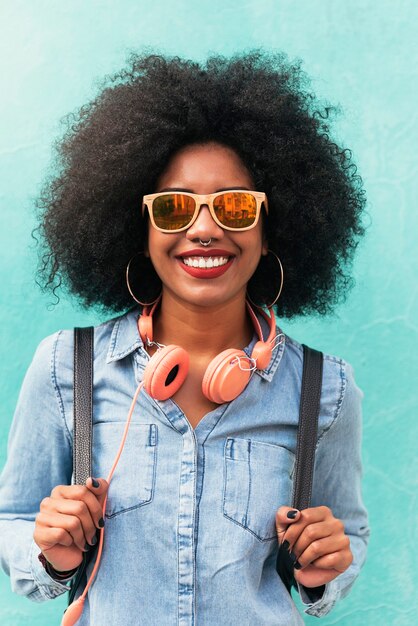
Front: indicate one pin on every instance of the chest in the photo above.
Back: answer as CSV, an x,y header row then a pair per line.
x,y
190,398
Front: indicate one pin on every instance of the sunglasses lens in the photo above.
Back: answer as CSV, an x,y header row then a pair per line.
x,y
236,209
173,210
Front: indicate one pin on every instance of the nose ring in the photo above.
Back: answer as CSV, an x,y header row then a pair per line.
x,y
205,243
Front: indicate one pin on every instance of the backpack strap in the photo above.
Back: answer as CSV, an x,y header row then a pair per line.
x,y
82,428
308,426
83,403
305,449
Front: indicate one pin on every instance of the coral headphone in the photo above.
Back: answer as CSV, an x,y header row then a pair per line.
x,y
227,374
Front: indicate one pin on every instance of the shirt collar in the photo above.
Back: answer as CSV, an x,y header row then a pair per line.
x,y
125,339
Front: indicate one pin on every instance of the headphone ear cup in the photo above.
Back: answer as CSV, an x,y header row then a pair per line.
x,y
261,353
166,372
224,380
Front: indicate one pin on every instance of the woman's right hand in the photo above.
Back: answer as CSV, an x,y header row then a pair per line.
x,y
68,519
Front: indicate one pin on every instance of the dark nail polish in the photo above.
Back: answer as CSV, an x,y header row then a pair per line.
x,y
297,565
86,547
286,544
93,541
101,522
95,483
292,514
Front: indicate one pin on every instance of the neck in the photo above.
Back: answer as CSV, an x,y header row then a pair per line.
x,y
203,331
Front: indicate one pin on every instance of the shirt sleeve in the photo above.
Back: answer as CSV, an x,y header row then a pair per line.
x,y
39,457
337,484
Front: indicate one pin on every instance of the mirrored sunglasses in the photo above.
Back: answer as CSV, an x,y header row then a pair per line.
x,y
172,212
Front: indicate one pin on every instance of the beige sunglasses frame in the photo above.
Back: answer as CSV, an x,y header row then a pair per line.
x,y
207,199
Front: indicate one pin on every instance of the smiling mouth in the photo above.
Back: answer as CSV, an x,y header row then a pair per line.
x,y
207,262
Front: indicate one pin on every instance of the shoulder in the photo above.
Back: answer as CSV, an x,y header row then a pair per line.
x,y
55,352
339,392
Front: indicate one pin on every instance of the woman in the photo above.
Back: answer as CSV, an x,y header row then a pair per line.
x,y
201,190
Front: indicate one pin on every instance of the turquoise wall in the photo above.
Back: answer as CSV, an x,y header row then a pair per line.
x,y
361,54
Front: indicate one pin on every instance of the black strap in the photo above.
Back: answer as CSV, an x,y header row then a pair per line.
x,y
83,403
83,427
305,449
308,427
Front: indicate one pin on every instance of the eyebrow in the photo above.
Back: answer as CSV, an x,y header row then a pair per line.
x,y
190,191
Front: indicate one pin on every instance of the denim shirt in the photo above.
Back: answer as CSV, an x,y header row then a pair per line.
x,y
190,536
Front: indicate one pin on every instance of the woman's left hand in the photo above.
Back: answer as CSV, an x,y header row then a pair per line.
x,y
318,542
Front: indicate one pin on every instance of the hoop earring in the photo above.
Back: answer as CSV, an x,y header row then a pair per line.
x,y
281,283
128,284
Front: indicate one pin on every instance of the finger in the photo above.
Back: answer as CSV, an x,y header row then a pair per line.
x,y
311,533
322,547
98,486
82,493
306,517
70,523
335,560
285,515
47,537
76,508
315,576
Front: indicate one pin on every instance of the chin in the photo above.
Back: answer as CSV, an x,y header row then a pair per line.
x,y
206,296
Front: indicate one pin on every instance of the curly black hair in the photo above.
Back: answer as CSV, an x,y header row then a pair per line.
x,y
114,149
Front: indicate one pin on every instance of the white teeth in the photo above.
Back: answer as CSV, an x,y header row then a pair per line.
x,y
205,262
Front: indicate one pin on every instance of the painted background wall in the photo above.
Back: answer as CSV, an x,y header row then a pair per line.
x,y
360,54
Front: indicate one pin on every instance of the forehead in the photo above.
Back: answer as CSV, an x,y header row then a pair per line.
x,y
209,165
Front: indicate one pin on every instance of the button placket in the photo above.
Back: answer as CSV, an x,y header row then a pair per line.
x,y
186,531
